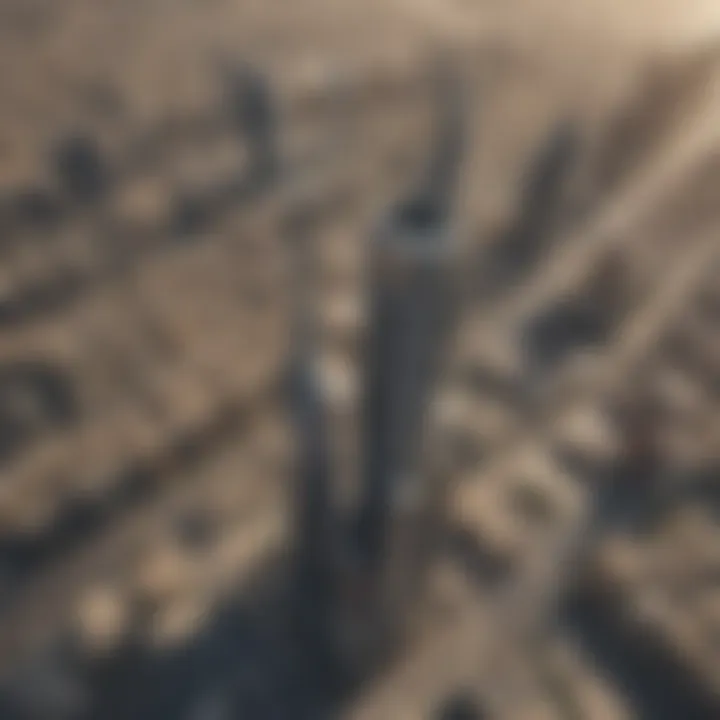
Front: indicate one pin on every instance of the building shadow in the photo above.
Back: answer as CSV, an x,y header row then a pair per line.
x,y
247,661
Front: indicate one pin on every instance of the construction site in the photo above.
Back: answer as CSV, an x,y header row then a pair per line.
x,y
359,360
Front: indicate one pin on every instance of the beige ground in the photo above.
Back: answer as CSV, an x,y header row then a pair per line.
x,y
183,346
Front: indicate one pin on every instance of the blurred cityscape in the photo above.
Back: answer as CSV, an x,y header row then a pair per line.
x,y
230,360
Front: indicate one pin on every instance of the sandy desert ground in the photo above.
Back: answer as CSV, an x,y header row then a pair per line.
x,y
145,304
